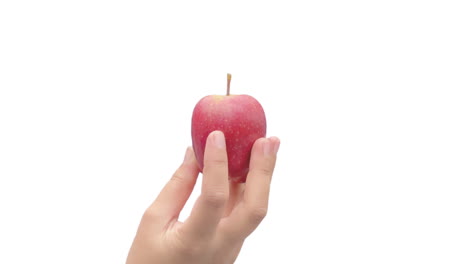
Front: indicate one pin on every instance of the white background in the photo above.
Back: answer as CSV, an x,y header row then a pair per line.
x,y
369,99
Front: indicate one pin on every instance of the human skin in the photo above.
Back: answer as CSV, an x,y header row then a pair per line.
x,y
223,216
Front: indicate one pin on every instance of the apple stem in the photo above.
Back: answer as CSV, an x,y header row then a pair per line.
x,y
229,76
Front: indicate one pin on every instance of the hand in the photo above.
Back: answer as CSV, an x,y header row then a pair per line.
x,y
222,217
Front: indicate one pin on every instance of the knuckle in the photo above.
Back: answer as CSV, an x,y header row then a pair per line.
x,y
177,177
187,246
191,252
216,163
257,214
151,215
215,199
264,171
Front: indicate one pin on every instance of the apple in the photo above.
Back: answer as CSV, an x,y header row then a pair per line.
x,y
242,120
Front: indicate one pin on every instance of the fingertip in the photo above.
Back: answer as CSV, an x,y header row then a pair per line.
x,y
259,145
190,160
216,139
188,155
215,151
266,146
215,160
276,142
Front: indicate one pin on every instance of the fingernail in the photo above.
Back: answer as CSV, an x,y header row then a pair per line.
x,y
271,146
218,138
267,148
188,155
276,146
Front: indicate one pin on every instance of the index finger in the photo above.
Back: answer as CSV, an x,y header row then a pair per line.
x,y
208,209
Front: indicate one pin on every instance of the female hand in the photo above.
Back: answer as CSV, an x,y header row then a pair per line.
x,y
223,216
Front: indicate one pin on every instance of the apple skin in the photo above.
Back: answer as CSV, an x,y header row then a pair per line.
x,y
242,120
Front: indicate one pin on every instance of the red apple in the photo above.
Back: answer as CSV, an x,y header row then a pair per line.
x,y
242,120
